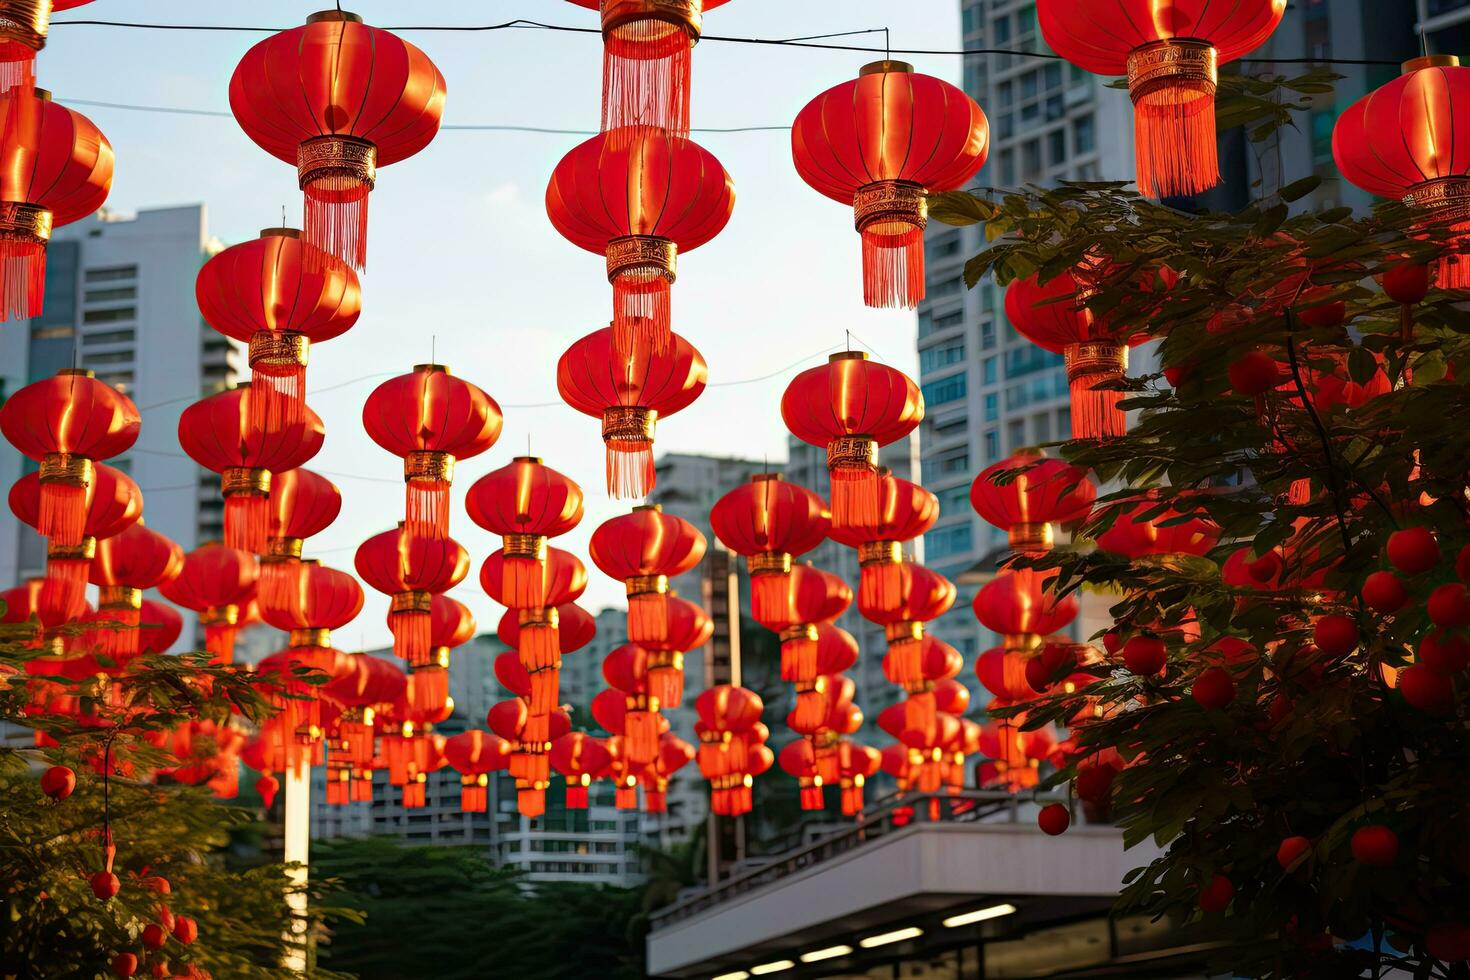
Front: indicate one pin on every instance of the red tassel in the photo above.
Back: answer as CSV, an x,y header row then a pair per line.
x,y
903,661
247,521
576,796
280,584
339,791
648,618
828,766
811,708
641,311
540,647
538,765
799,660
64,591
427,510
852,799
1095,411
655,801
277,396
920,713
430,689
545,687
524,580
1300,492
630,472
530,801
337,217
811,796
473,796
22,278
1453,270
667,685
414,793
893,265
411,635
63,513
536,733
646,70
930,779
17,66
220,642
770,596
641,736
880,586
626,797
1174,140
855,494
120,642
362,787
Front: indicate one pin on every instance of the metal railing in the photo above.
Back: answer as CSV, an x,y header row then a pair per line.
x,y
885,817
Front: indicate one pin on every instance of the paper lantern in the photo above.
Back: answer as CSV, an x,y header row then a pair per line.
x,y
643,550
525,503
769,522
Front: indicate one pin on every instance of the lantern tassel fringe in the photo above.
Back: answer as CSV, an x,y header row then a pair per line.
x,y
893,268
336,219
630,474
1174,141
524,580
64,590
430,689
63,513
646,71
247,521
426,510
1095,411
277,400
642,312
22,278
648,618
855,497
411,636
667,685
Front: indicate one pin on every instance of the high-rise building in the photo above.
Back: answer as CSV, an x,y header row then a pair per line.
x,y
120,301
988,391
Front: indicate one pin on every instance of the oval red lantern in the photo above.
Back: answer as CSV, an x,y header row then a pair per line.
x,y
769,521
525,503
629,391
65,423
267,294
905,511
564,578
1171,53
329,599
639,197
813,596
339,99
451,625
686,627
130,561
216,582
431,419
55,168
880,143
851,406
1019,604
302,504
1134,534
1027,493
216,432
580,758
159,626
474,755
643,550
411,571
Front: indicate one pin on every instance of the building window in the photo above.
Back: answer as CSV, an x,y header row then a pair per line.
x,y
50,333
933,358
1084,134
949,389
1016,433
112,357
1056,147
972,19
992,446
989,371
110,316
987,335
946,541
111,295
948,286
108,337
992,407
111,273
943,245
1021,361
944,428
1031,158
955,500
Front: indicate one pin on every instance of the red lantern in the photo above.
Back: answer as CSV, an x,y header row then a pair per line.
x,y
113,504
431,419
525,503
880,143
799,760
1019,605
451,625
686,627
65,423
580,758
626,671
923,595
372,685
640,197
812,597
564,582
673,754
769,521
905,511
126,563
575,627
851,406
541,637
1133,535
731,752
55,168
646,49
339,99
216,432
1003,672
266,293
329,599
474,755
302,504
159,625
1400,141
1027,493
644,550
24,25
857,764
629,392
1171,53
412,571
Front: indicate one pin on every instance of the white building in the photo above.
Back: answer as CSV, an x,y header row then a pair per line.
x,y
120,301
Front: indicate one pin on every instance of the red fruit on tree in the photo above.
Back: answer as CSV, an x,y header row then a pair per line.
x,y
1254,373
1178,374
1444,653
1037,675
1094,783
1323,315
1462,563
1375,845
154,935
1427,689
105,885
1213,689
160,969
165,918
1215,896
157,884
1449,606
1112,642
1449,942
185,930
1413,550
1407,283
1384,593
1145,655
1335,635
58,782
125,964
1054,819
1291,851
1265,568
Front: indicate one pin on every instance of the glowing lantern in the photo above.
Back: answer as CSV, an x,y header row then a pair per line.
x,y
126,563
813,597
1019,605
364,688
538,638
24,25
302,504
450,625
673,754
1026,494
580,758
643,550
474,755
525,503
905,511
769,522
924,595
412,571
857,764
799,760
216,582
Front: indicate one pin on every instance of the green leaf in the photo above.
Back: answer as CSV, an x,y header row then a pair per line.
x,y
1298,189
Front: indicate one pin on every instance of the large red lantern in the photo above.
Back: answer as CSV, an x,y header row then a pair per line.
x,y
1401,141
1171,51
55,168
329,599
923,595
640,197
412,571
217,433
474,755
339,99
302,504
525,503
812,597
267,294
673,754
646,60
65,423
580,758
1020,606
575,627
216,582
564,581
431,419
880,143
857,764
905,511
643,550
799,761
851,406
731,749
686,627
24,25
629,389
1027,493
770,522
370,686
1134,533
130,561
113,504
159,625
626,671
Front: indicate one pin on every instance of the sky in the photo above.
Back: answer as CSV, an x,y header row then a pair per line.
x,y
463,266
